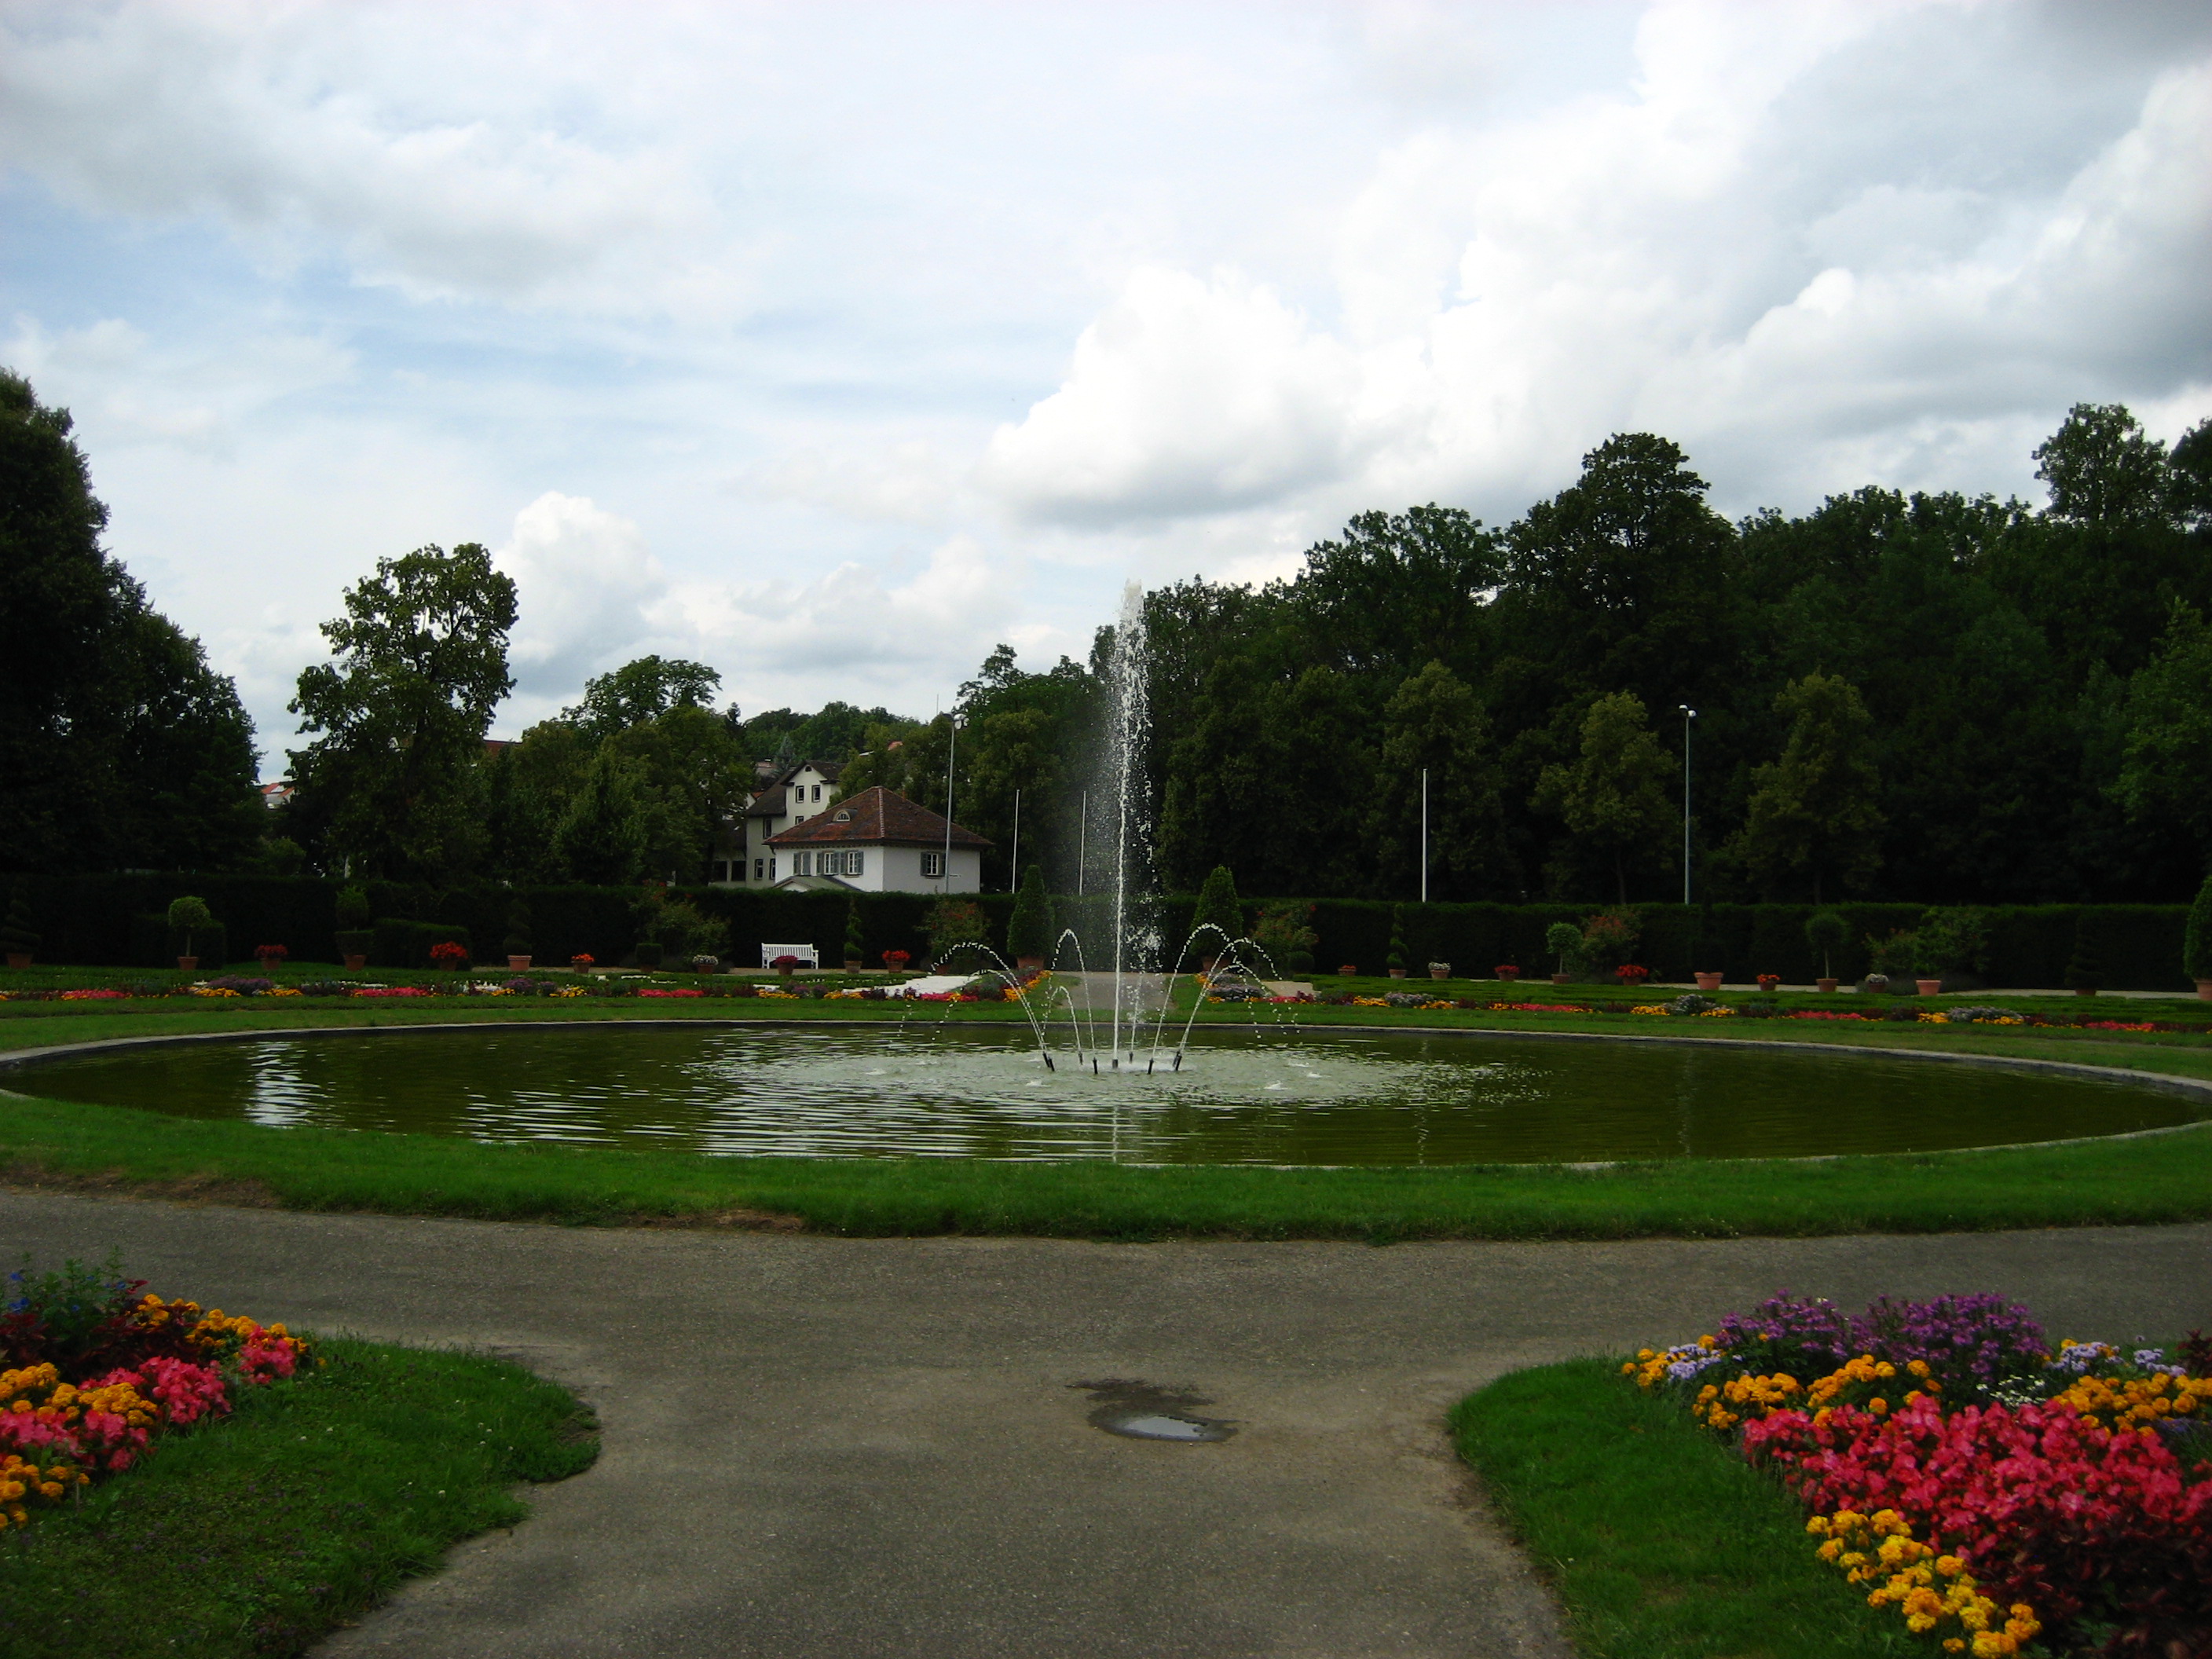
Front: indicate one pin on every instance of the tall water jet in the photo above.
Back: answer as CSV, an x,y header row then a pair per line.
x,y
1127,785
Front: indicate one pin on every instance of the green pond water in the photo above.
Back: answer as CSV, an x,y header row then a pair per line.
x,y
1298,1098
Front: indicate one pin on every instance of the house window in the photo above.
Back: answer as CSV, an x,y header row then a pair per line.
x,y
760,869
721,869
840,864
771,866
802,863
933,865
818,791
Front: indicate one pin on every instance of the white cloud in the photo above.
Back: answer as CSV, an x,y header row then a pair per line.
x,y
585,585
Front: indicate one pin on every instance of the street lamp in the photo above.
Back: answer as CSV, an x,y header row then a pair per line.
x,y
1689,714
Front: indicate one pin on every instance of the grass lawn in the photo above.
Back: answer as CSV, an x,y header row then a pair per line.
x,y
260,1532
2163,1178
1659,1542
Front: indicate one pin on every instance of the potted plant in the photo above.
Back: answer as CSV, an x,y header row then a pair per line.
x,y
1440,971
1508,971
1888,958
189,915
785,965
1708,983
517,944
583,962
1632,974
856,942
705,964
2085,969
271,956
450,954
1395,961
1827,931
1029,928
16,938
1768,983
2197,941
1950,948
1564,941
356,934
895,961
1347,968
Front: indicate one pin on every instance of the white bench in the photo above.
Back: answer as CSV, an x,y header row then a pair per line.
x,y
807,955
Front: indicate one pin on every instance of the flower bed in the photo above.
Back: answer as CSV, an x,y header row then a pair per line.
x,y
94,1368
1989,1488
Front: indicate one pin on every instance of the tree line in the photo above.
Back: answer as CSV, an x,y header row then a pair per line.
x,y
1897,696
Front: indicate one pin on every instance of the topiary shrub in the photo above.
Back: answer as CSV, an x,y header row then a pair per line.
x,y
1396,959
1827,933
856,937
517,942
2197,937
1029,930
1217,906
16,938
2085,969
189,915
1564,941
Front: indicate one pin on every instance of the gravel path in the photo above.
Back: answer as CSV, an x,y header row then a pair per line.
x,y
861,1448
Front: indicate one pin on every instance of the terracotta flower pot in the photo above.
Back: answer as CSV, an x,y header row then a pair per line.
x,y
2204,989
188,965
1561,979
1397,973
356,962
1436,971
1349,969
516,965
1826,984
1509,974
1708,982
2079,990
852,964
23,959
1025,963
1928,988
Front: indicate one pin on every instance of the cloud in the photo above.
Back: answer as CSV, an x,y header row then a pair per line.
x,y
1186,396
586,583
1687,255
296,126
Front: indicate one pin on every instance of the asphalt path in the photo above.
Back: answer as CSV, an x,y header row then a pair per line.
x,y
858,1448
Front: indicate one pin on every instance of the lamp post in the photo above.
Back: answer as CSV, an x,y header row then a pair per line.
x,y
951,753
1424,834
1689,714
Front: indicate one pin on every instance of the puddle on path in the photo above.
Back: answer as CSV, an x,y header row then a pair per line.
x,y
1143,1411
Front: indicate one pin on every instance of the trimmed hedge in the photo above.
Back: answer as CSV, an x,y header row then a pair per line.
x,y
99,919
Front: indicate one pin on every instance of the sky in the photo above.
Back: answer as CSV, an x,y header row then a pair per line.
x,y
831,344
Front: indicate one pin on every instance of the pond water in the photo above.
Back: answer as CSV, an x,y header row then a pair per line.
x,y
1296,1099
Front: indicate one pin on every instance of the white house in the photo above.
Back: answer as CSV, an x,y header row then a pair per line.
x,y
877,842
743,855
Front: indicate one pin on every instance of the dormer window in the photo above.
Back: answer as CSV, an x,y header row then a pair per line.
x,y
842,818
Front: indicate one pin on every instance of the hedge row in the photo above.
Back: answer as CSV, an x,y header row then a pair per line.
x,y
112,921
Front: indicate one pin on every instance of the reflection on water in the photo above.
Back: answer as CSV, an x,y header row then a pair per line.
x,y
1296,1099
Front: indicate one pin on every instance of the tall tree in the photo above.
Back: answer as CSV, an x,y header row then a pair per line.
x,y
420,662
118,745
1434,723
602,836
1812,811
1614,797
2169,742
641,690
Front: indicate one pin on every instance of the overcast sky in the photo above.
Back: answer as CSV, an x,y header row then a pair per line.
x,y
830,344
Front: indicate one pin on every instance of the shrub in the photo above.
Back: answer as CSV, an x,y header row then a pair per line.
x,y
958,928
2196,939
2085,969
1609,938
1029,930
1284,932
1398,952
1217,908
856,937
1827,933
189,915
353,909
1894,955
517,942
16,938
1952,941
1564,941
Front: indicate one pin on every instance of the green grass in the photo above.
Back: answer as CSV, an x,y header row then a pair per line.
x,y
258,1533
1659,1543
2165,1178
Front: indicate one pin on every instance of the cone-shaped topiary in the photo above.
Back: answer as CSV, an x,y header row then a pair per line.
x,y
1398,952
1217,906
1029,930
16,938
856,939
353,908
518,928
2196,937
2085,969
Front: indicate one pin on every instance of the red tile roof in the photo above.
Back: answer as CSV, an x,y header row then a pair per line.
x,y
877,817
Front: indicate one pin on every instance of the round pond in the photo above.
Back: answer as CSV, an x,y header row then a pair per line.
x,y
1346,1097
